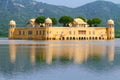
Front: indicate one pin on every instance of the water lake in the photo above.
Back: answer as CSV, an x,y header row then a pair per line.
x,y
59,60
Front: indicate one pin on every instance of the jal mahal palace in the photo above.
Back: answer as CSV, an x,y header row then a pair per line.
x,y
77,30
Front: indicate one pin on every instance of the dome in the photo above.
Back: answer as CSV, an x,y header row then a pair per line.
x,y
12,23
110,22
32,20
48,21
78,21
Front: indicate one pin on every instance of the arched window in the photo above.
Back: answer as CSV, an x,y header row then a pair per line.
x,y
70,38
53,38
84,38
89,38
63,38
47,38
73,38
67,38
95,38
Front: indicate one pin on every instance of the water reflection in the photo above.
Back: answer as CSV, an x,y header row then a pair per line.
x,y
32,55
49,53
12,52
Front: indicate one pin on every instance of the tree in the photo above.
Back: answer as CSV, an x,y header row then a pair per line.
x,y
96,21
90,22
40,19
81,17
65,20
54,21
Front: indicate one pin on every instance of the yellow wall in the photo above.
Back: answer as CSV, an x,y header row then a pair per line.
x,y
62,33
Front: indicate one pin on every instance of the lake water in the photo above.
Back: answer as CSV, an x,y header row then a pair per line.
x,y
59,60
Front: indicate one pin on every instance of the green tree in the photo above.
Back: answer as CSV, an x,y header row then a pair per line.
x,y
54,21
96,21
81,17
90,22
65,20
40,19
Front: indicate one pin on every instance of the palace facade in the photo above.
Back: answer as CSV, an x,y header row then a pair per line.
x,y
77,30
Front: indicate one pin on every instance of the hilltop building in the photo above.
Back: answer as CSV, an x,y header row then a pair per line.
x,y
77,30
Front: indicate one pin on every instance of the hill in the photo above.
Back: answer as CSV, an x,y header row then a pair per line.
x,y
22,10
102,9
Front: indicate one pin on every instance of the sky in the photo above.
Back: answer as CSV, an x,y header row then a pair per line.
x,y
72,3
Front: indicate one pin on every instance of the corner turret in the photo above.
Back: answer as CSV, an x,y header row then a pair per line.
x,y
110,23
12,24
110,29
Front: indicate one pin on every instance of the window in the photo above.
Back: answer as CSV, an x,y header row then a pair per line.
x,y
20,33
43,32
70,38
84,38
29,32
73,38
37,32
95,38
82,32
89,38
67,38
63,38
23,32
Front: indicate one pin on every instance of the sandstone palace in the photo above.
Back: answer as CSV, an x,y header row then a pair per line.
x,y
77,30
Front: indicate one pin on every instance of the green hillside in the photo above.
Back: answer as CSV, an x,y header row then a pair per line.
x,y
102,9
22,10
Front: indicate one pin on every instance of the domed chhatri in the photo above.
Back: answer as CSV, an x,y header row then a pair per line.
x,y
110,23
48,22
31,22
12,24
79,22
76,30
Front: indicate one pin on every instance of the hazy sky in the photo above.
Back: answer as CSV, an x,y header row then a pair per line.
x,y
72,3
